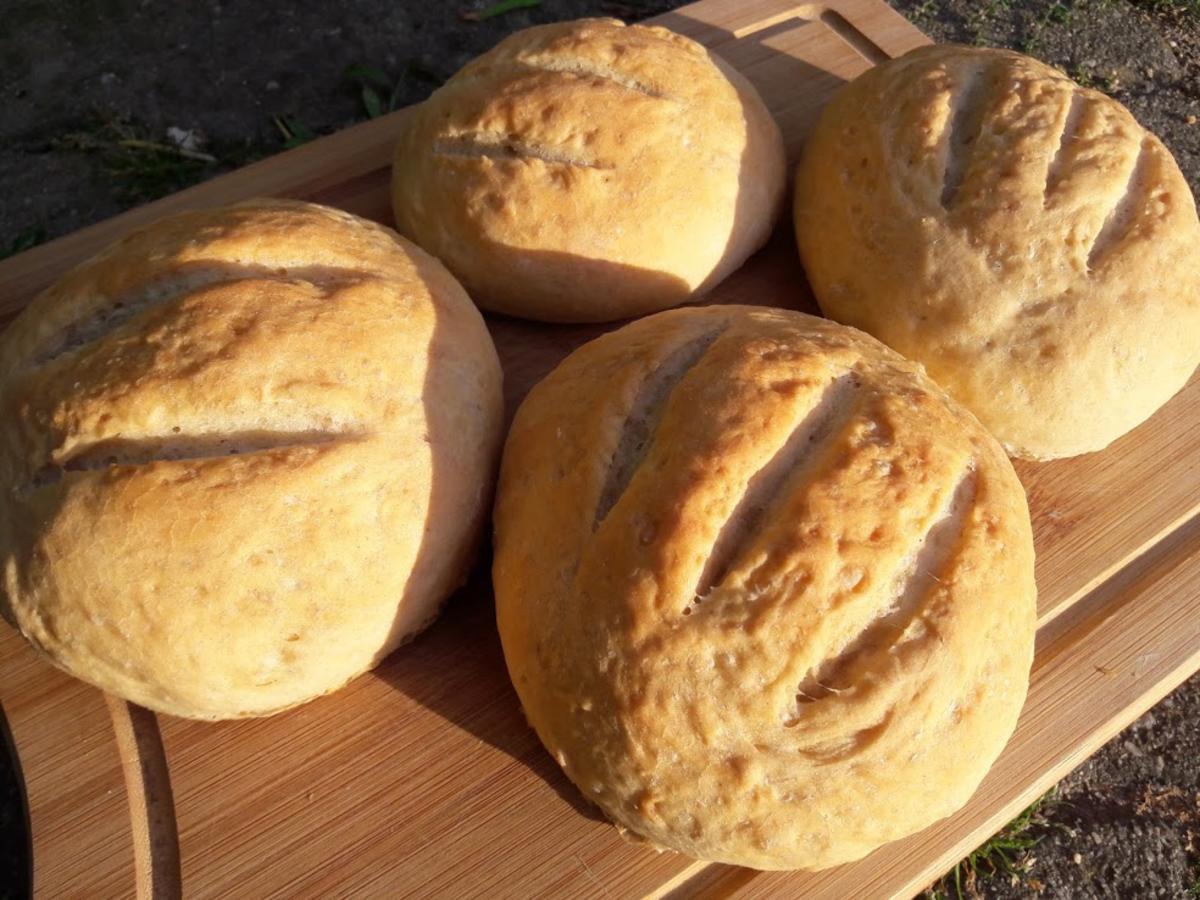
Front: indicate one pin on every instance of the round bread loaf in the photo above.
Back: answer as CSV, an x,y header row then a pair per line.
x,y
1021,236
588,171
244,454
765,592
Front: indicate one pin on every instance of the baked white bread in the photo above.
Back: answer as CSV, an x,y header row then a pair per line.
x,y
244,454
1022,236
765,592
587,171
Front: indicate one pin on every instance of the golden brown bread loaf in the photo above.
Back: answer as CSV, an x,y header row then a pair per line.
x,y
1021,236
244,453
765,592
588,171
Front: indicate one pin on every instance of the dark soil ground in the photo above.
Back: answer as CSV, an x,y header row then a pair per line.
x,y
100,95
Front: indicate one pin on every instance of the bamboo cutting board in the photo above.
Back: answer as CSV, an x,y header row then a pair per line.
x,y
422,777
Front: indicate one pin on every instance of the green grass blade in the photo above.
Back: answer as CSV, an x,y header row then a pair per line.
x,y
499,9
371,102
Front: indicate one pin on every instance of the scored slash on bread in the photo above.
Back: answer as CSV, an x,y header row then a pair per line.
x,y
805,447
930,558
99,455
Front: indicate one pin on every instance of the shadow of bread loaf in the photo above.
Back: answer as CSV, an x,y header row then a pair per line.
x,y
589,171
765,592
244,454
1021,236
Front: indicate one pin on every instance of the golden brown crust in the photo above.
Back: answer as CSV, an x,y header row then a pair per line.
x,y
1021,236
765,593
245,453
588,171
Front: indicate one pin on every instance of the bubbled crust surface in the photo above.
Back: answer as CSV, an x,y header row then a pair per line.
x,y
358,392
588,171
765,593
1020,235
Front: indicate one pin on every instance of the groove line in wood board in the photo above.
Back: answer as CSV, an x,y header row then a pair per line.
x,y
807,12
1118,569
1126,624
714,24
1118,588
890,31
717,24
1173,434
151,807
846,30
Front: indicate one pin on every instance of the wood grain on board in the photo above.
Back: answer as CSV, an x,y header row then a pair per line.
x,y
72,768
422,777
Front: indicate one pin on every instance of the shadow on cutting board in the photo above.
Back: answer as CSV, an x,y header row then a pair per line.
x,y
456,670
16,858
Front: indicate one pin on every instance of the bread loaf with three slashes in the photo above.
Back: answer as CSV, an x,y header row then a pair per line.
x,y
1021,236
766,593
244,453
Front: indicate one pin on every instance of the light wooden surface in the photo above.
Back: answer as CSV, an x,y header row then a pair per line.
x,y
72,768
422,778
